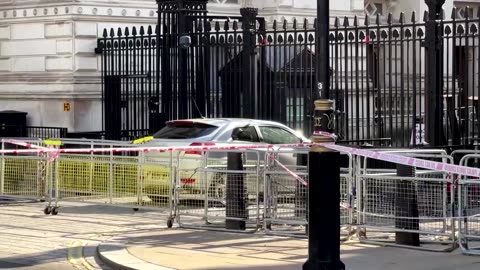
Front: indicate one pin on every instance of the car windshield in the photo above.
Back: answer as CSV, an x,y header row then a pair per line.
x,y
184,130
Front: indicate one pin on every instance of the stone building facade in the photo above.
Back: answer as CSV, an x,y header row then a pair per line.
x,y
48,65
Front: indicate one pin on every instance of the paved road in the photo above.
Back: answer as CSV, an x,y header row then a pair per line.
x,y
31,240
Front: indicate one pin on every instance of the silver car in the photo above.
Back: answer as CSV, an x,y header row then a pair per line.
x,y
213,131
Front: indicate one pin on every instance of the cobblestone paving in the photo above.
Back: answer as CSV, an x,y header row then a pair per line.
x,y
31,240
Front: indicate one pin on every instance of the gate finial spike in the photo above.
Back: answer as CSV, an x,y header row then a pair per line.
x,y
402,17
389,18
346,22
149,30
305,24
454,13
112,32
355,20
336,23
274,26
208,26
367,20
425,16
127,31
414,17
134,31
377,20
285,24
294,23
142,30
105,33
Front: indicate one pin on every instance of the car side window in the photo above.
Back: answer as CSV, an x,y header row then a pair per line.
x,y
246,134
276,135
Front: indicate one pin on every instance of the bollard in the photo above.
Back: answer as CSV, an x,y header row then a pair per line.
x,y
236,203
406,206
324,211
323,196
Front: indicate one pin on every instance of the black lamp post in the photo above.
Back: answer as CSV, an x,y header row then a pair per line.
x,y
324,168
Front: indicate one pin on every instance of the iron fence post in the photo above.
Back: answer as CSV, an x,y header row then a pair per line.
x,y
183,62
434,81
250,94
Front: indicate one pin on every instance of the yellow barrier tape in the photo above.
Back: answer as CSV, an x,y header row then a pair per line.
x,y
143,140
52,142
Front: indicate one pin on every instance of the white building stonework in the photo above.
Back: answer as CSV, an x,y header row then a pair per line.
x,y
47,50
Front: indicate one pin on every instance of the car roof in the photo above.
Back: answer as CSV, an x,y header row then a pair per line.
x,y
223,121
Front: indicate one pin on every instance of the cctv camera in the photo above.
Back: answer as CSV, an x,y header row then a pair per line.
x,y
185,42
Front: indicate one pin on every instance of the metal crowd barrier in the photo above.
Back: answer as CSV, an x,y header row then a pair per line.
x,y
201,188
26,176
286,196
378,216
190,189
469,207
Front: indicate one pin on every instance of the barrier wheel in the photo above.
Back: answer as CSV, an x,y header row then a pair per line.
x,y
47,210
54,211
135,209
169,223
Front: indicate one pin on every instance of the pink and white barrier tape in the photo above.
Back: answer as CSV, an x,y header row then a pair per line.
x,y
24,144
297,177
409,161
394,158
155,149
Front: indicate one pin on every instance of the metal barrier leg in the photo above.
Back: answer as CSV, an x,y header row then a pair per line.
x,y
110,189
2,173
49,175
406,206
55,178
301,198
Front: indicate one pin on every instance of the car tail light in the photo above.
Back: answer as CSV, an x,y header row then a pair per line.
x,y
196,152
187,180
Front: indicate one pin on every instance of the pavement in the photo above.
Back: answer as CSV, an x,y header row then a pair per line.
x,y
85,236
199,249
29,239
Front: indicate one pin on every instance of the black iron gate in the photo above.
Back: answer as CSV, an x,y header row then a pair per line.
x,y
130,92
195,65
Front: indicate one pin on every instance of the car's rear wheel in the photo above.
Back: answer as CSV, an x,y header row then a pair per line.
x,y
217,192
